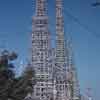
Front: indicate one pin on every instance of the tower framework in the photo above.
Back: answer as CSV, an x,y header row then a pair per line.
x,y
72,78
55,72
67,84
60,60
41,53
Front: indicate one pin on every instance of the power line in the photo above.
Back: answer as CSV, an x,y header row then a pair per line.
x,y
67,13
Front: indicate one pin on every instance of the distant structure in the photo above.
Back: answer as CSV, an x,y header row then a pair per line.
x,y
73,88
55,70
88,94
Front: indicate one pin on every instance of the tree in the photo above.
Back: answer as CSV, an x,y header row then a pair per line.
x,y
23,85
6,73
10,86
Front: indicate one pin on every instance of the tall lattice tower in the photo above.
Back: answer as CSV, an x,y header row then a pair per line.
x,y
67,85
73,90
60,59
41,52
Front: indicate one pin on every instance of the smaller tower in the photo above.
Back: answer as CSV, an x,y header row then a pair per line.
x,y
73,90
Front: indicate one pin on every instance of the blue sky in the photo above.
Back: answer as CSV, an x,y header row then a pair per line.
x,y
15,34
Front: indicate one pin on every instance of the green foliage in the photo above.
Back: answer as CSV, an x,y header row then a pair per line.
x,y
23,85
11,87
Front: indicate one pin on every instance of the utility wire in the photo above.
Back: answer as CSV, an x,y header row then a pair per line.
x,y
67,13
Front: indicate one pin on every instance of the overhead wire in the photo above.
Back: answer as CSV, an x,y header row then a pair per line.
x,y
75,19
85,27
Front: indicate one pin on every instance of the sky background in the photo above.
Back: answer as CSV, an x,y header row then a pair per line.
x,y
82,24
